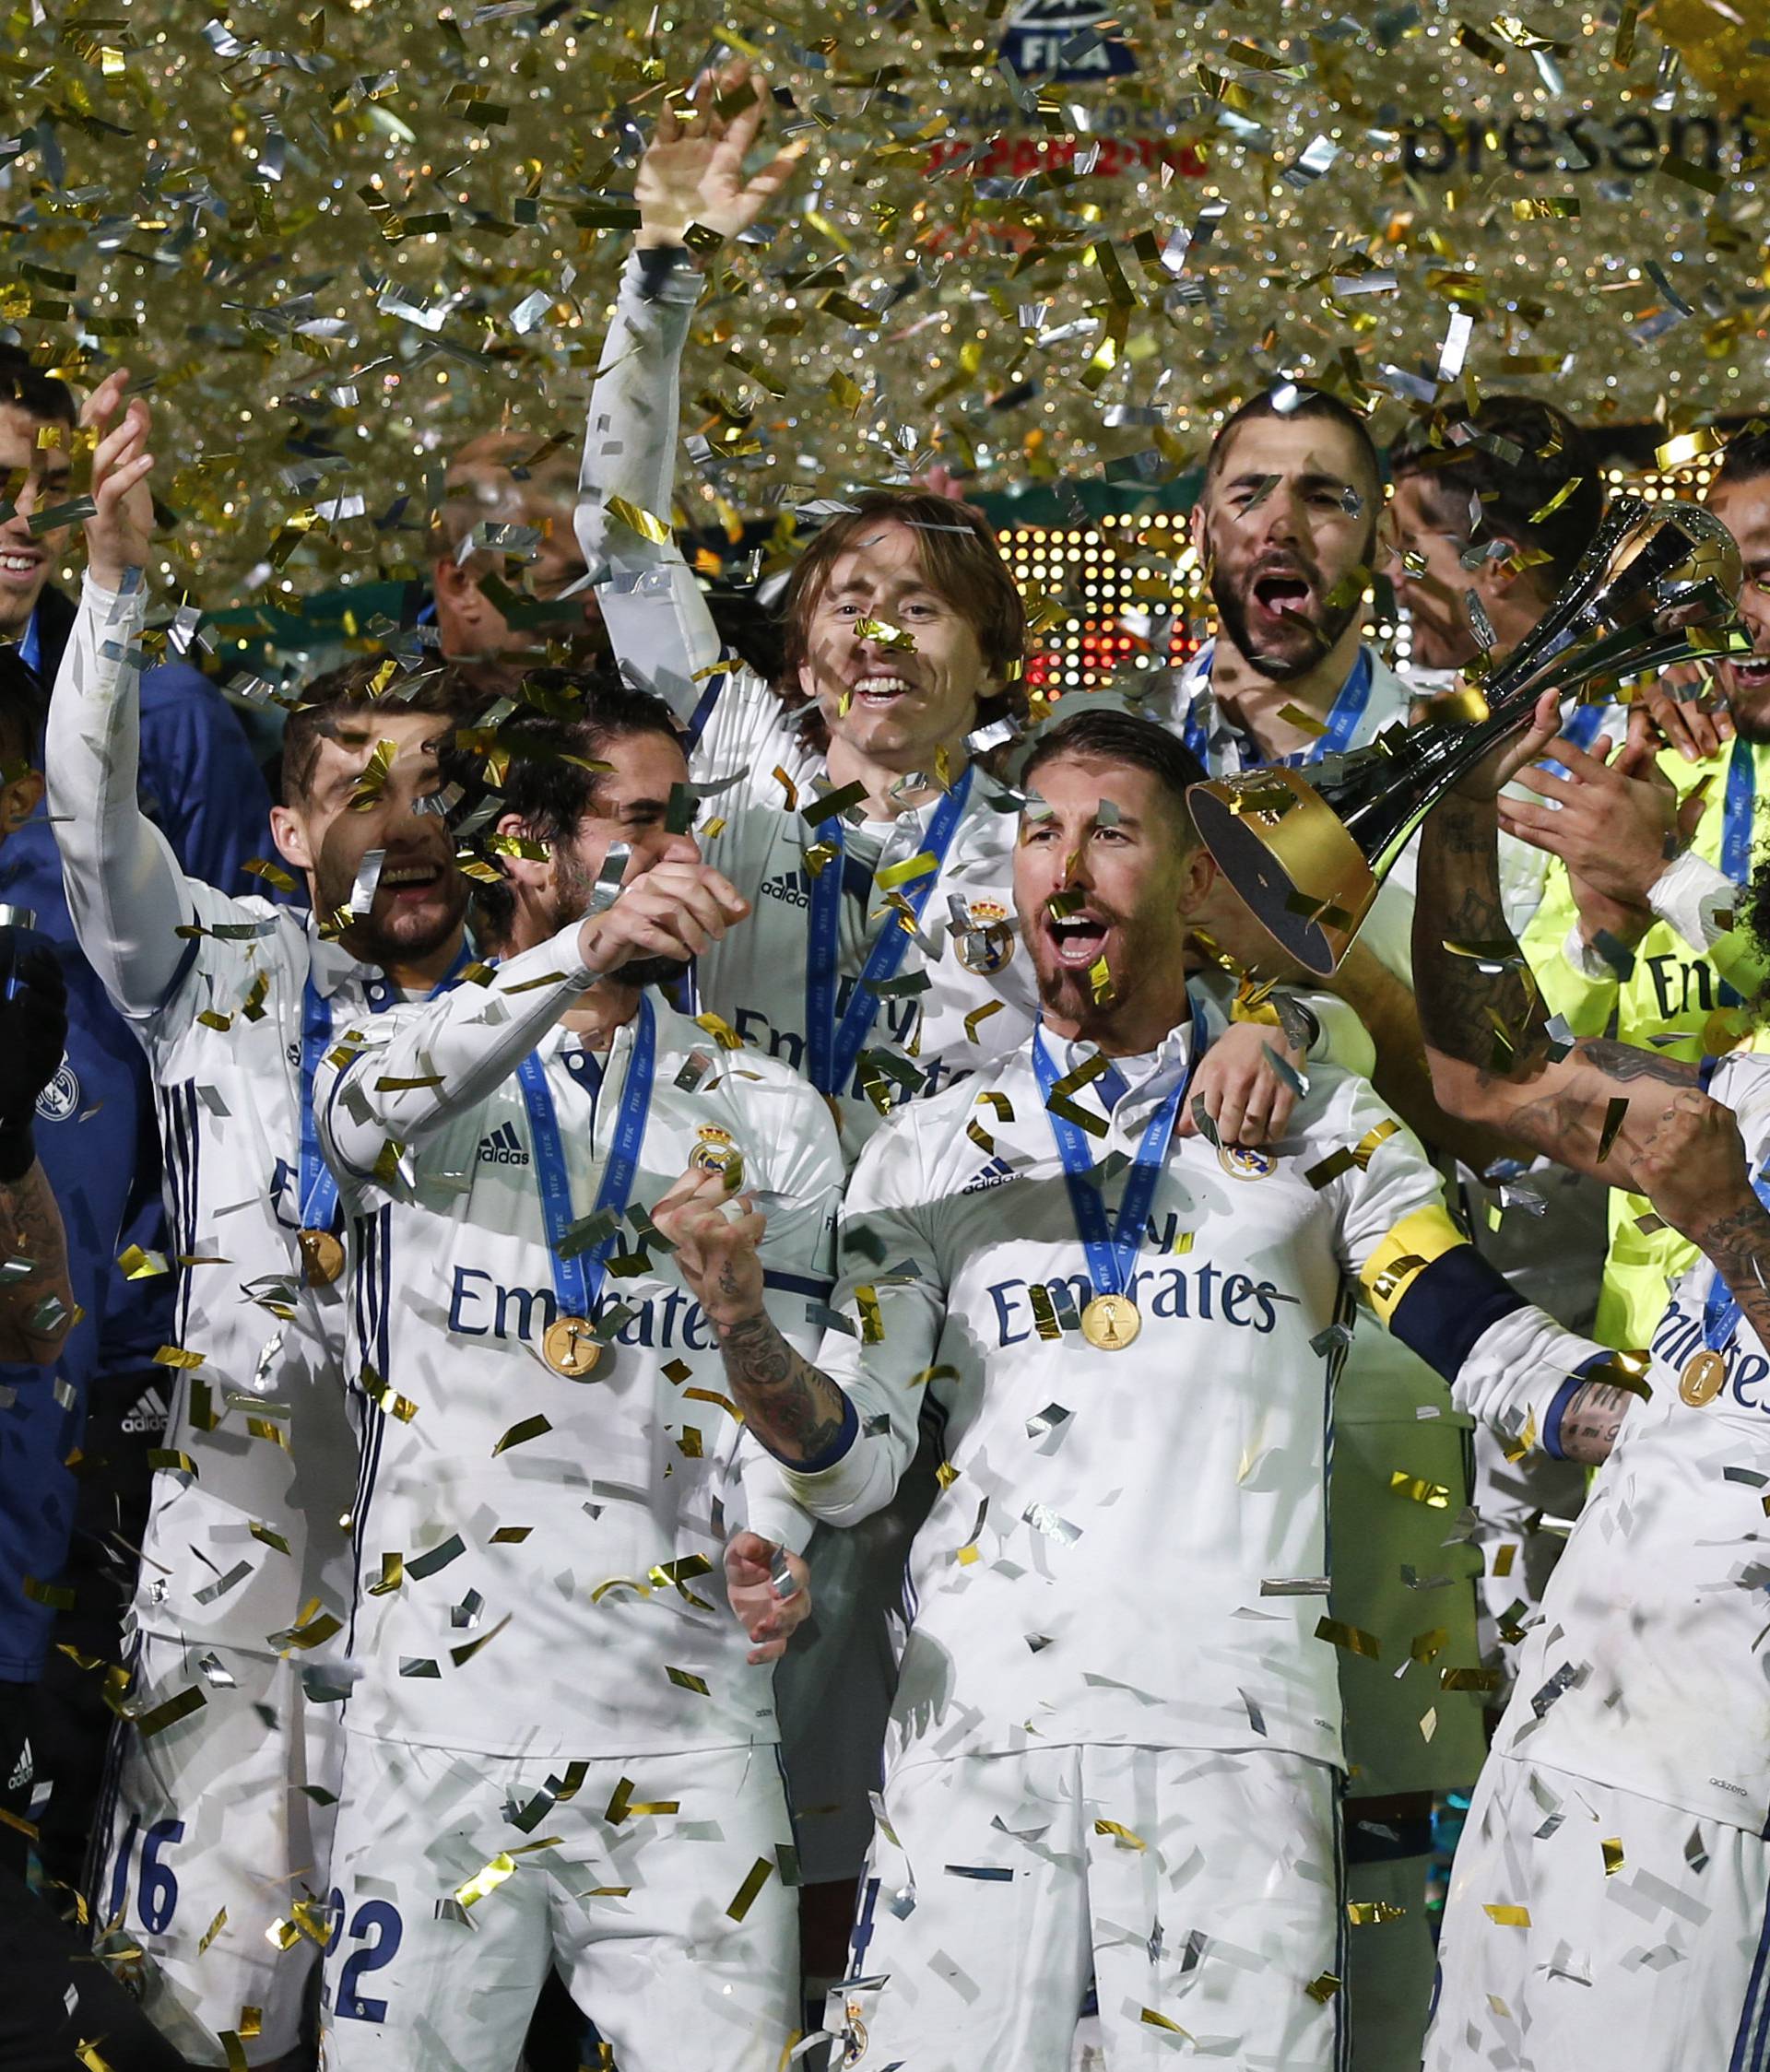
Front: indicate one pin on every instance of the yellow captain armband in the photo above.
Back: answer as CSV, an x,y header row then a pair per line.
x,y
1405,1254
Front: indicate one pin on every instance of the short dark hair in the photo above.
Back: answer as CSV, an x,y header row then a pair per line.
x,y
962,559
1545,450
364,686
575,716
27,387
1308,402
1112,734
1745,456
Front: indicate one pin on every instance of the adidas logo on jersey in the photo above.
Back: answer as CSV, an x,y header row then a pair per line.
x,y
503,1147
790,886
996,1173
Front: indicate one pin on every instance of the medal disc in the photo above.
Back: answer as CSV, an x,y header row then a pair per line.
x,y
1111,1322
569,1348
321,1257
1704,1376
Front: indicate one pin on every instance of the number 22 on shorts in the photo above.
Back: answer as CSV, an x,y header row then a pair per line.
x,y
374,1918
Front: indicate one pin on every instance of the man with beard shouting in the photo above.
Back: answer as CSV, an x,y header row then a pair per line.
x,y
1286,527
216,1826
1116,1737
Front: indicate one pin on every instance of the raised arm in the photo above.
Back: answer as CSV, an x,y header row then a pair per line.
x,y
1591,1107
843,1426
692,175
404,1075
125,890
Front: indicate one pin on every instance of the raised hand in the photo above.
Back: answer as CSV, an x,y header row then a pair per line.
x,y
674,910
716,1235
1247,1097
693,168
1697,727
767,1613
120,534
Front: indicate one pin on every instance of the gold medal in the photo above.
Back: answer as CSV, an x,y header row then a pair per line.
x,y
321,1257
1111,1322
569,1348
1702,1379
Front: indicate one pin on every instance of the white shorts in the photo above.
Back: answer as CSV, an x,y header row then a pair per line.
x,y
635,1914
1658,1966
214,1813
1204,1921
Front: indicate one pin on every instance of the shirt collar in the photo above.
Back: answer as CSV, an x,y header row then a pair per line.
x,y
1149,1076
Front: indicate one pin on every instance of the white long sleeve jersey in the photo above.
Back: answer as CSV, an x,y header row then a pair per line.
x,y
248,1528
1128,1546
573,1527
978,999
1647,1670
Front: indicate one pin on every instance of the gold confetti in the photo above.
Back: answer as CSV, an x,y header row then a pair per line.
x,y
1506,1915
1613,1856
212,1931
638,520
521,1433
1353,1639
489,1880
760,1872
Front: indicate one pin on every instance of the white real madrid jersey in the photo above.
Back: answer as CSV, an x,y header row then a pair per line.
x,y
259,1409
1129,1546
956,1001
1648,1669
540,1557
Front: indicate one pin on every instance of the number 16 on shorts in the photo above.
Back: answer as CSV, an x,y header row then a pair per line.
x,y
156,1884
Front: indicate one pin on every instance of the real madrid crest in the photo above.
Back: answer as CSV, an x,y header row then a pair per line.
x,y
985,943
1247,1161
716,1151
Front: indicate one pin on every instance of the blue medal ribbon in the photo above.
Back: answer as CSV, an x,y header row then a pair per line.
x,y
319,1191
1349,708
1737,812
832,1050
577,1280
1112,1249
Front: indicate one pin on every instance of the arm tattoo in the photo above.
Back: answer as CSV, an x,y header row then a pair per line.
x,y
1591,1422
794,1408
1739,1246
37,1310
1464,1007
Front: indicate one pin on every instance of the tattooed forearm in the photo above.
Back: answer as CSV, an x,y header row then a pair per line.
x,y
1623,1061
1739,1244
1591,1422
37,1308
792,1407
1480,1011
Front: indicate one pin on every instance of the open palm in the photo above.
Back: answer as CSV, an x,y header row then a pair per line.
x,y
693,170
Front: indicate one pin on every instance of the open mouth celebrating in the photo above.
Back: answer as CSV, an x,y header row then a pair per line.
x,y
410,882
879,693
1076,940
1280,595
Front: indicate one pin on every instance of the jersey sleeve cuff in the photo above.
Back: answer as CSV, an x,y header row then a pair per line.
x,y
1564,1396
833,1454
